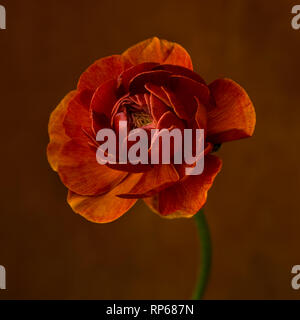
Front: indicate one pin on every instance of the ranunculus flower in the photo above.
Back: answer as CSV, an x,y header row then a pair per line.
x,y
150,85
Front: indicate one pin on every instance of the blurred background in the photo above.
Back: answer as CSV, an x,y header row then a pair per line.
x,y
253,207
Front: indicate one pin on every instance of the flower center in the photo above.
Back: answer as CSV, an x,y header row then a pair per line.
x,y
141,119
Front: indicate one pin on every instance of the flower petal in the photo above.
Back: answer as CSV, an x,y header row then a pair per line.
x,y
157,107
181,92
160,51
182,71
201,115
82,174
158,92
233,117
151,182
158,77
130,73
105,98
131,168
169,120
181,168
77,117
107,207
56,130
186,197
99,121
102,70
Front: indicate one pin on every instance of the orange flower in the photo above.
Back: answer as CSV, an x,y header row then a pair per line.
x,y
150,85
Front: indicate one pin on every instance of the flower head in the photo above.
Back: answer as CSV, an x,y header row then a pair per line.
x,y
151,85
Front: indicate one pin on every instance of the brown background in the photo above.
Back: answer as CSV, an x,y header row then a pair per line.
x,y
253,207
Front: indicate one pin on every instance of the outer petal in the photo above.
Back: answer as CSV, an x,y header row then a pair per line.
x,y
107,207
56,130
81,173
182,167
102,70
233,117
160,51
77,118
151,182
186,197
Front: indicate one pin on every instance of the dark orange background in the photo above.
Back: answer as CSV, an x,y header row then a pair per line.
x,y
253,207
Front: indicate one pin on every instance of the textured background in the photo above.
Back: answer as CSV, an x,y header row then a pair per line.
x,y
253,207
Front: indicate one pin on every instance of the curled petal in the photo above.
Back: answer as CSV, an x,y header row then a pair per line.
x,y
120,116
102,70
151,182
178,70
117,107
130,73
102,104
158,77
233,116
140,100
107,207
99,121
105,98
169,120
181,107
158,92
82,174
182,91
201,115
185,86
56,130
160,51
186,197
157,107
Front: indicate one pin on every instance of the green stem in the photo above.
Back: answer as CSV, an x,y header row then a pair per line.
x,y
205,245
